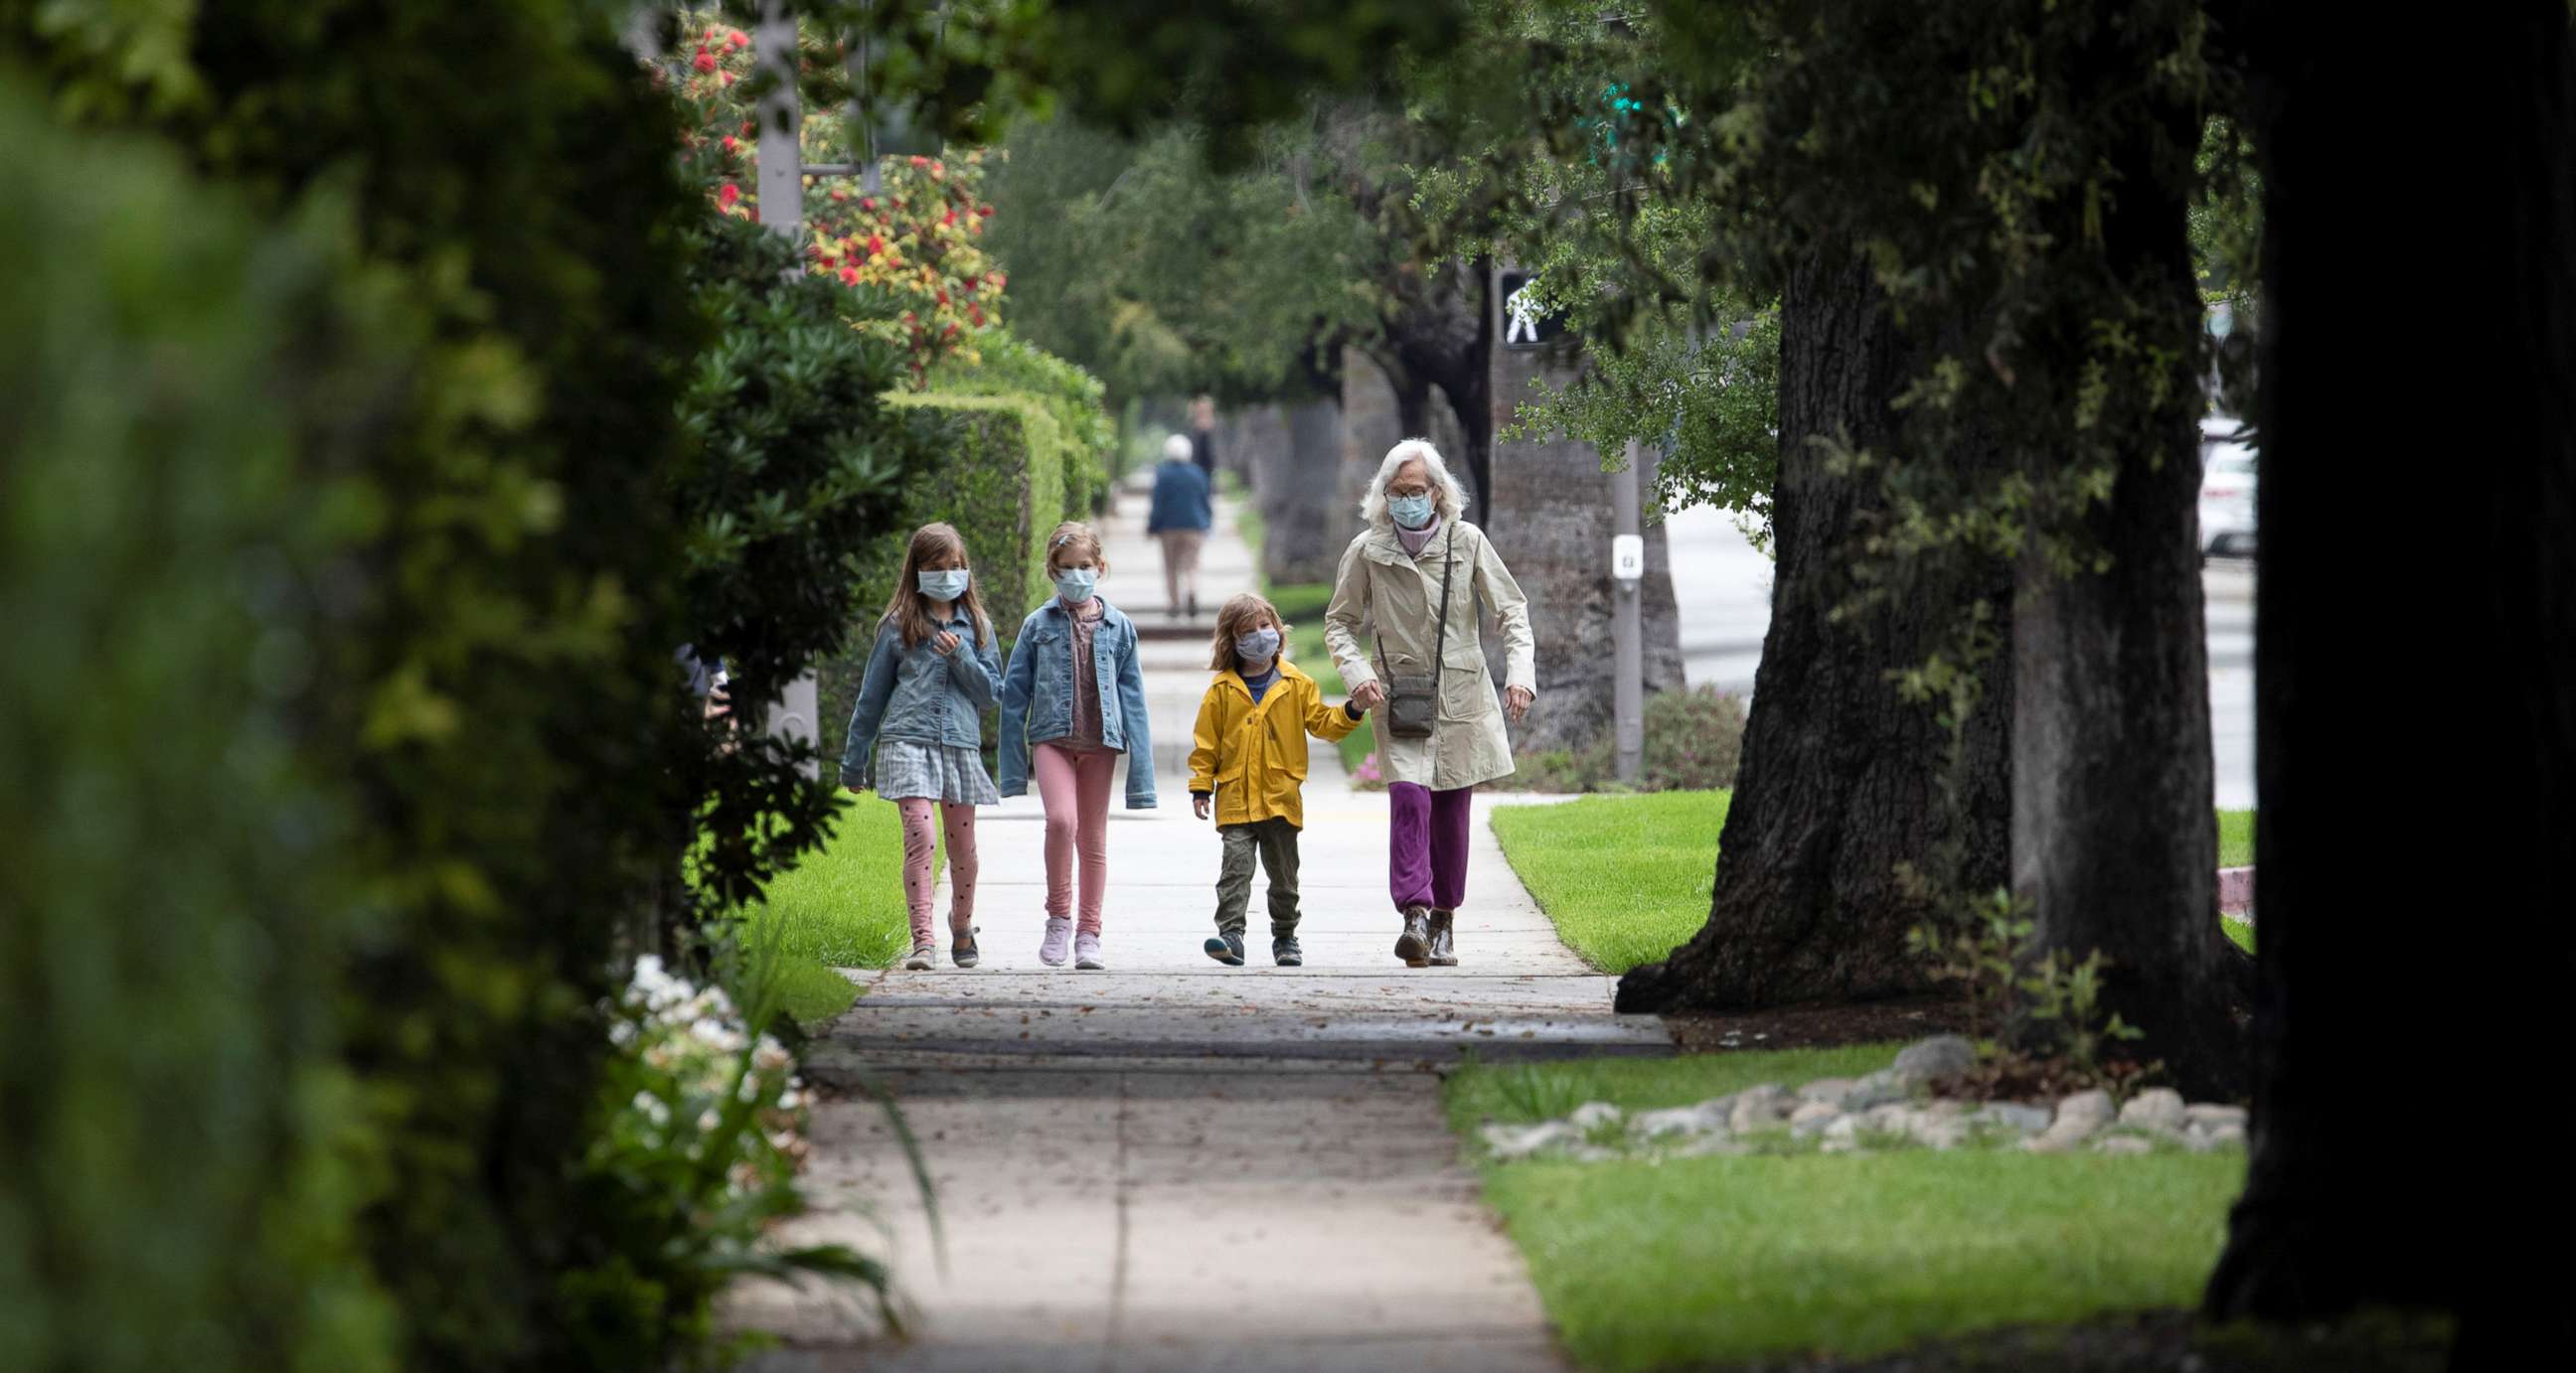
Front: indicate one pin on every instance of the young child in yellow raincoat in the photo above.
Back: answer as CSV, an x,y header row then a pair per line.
x,y
1249,759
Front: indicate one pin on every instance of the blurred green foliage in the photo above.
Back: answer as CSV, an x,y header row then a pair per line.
x,y
1071,397
179,880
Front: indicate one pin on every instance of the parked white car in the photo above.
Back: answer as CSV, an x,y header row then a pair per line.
x,y
2226,489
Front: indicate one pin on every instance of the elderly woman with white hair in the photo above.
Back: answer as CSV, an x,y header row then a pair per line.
x,y
1179,520
1411,583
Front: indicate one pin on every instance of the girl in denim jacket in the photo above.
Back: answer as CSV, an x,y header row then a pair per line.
x,y
921,707
1072,701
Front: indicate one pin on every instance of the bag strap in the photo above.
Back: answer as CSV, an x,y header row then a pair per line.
x,y
1440,637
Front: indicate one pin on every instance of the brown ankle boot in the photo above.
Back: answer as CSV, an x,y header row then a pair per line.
x,y
1414,945
1444,952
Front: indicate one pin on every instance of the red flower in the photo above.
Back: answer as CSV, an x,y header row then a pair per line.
x,y
947,331
948,219
839,194
875,244
868,203
731,143
976,313
705,61
984,211
943,297
908,317
738,39
918,162
849,276
728,194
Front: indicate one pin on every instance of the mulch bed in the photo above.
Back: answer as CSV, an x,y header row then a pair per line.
x,y
1818,1026
2160,1342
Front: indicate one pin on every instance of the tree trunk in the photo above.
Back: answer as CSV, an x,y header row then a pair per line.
x,y
2114,846
2366,1185
1841,781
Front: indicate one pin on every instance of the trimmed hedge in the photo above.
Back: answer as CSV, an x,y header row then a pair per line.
x,y
1006,365
986,478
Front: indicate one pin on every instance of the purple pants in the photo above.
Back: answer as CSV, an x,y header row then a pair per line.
x,y
1426,849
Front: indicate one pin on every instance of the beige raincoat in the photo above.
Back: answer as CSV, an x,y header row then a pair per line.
x,y
1384,594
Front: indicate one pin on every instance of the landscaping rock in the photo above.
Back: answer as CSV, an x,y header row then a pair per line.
x,y
2157,1108
2013,1116
2212,1114
2123,1144
1813,1117
1938,1057
1509,1142
1680,1120
1832,1091
1877,1089
1844,1126
1594,1114
2089,1110
1695,1146
1888,1117
2226,1135
1756,1107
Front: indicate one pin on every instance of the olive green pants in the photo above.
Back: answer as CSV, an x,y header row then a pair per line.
x,y
1275,841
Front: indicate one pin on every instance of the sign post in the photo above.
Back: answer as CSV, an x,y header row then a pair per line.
x,y
782,212
1627,571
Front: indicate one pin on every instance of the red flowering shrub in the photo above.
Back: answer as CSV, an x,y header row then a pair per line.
x,y
918,240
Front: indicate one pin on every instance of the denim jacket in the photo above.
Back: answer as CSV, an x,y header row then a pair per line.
x,y
921,694
1037,696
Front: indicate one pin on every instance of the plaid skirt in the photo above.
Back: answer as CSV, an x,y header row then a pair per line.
x,y
942,772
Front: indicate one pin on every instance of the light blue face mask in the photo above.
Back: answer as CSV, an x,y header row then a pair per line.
x,y
1412,512
1259,646
944,586
1074,584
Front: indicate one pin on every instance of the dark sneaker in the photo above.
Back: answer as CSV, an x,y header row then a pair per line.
x,y
1414,945
1225,949
962,950
1285,953
1444,947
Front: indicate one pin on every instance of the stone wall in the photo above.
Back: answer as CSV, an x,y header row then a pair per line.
x,y
1551,517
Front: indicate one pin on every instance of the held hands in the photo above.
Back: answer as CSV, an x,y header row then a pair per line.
x,y
1199,805
1369,695
1516,702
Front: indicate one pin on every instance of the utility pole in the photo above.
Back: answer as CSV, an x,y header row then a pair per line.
x,y
1627,571
782,212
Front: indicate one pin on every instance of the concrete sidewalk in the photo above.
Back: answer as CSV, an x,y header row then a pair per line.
x,y
1175,1164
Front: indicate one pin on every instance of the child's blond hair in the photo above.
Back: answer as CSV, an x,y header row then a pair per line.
x,y
1072,539
1242,615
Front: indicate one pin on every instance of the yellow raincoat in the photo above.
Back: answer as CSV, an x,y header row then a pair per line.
x,y
1254,756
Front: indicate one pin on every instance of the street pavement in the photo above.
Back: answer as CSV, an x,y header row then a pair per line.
x,y
1174,1164
1723,585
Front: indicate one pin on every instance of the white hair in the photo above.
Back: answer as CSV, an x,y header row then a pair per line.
x,y
1448,499
1176,448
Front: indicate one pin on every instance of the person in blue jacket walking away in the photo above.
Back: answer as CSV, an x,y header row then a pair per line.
x,y
1073,699
1180,518
921,713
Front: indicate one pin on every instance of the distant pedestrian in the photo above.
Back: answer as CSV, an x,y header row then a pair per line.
x,y
1416,575
1248,763
1073,699
1203,435
1180,518
921,712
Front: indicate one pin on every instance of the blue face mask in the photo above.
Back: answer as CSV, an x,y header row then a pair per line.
x,y
1259,646
943,586
1412,512
1074,584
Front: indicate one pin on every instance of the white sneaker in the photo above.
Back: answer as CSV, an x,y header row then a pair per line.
x,y
1059,931
1086,953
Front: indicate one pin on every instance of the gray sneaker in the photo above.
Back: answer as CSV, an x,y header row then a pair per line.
x,y
1285,953
1225,948
1059,932
1086,953
923,958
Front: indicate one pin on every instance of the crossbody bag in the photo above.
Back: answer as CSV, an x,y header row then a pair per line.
x,y
1413,698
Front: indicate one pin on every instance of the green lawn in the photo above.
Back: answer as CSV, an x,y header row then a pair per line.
x,y
1626,878
1679,1262
840,908
1302,605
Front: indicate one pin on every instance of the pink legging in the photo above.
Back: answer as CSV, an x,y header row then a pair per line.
x,y
1074,785
920,863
